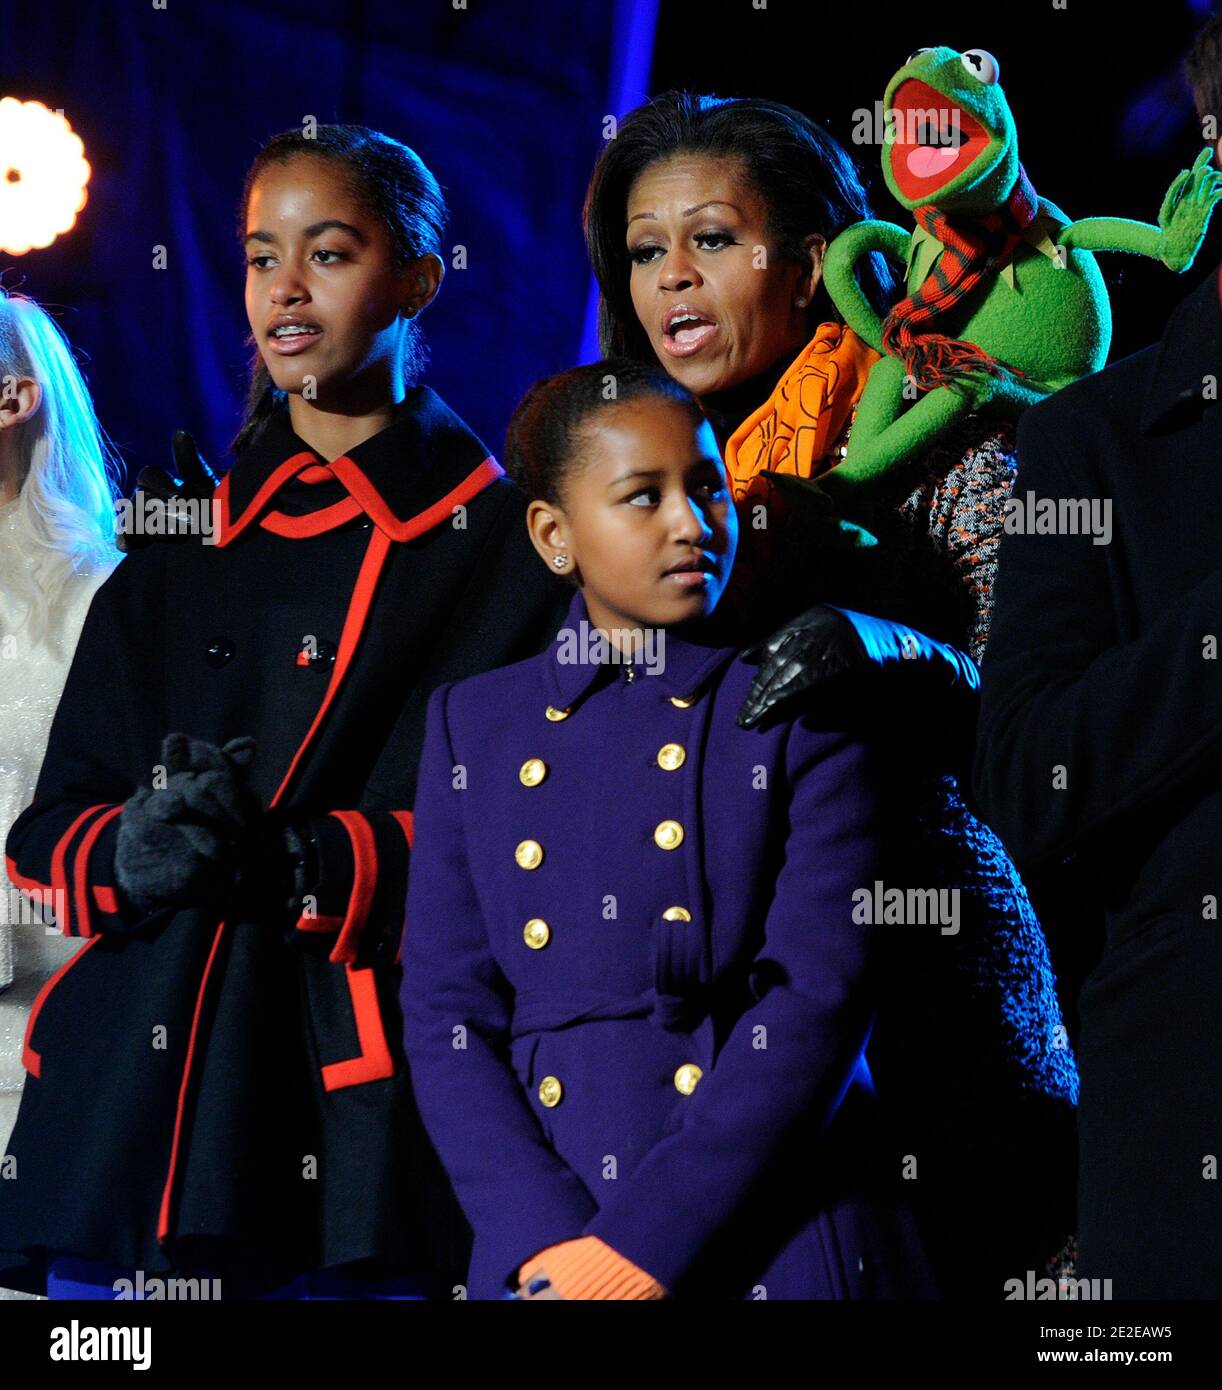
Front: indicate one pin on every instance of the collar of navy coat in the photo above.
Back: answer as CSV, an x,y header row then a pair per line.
x,y
1190,351
406,479
688,661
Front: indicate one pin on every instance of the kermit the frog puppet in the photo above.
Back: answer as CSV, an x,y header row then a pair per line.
x,y
1005,300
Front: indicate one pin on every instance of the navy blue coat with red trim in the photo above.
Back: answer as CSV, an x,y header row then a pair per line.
x,y
197,1076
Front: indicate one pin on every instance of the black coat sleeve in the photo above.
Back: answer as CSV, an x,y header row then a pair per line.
x,y
1079,724
61,848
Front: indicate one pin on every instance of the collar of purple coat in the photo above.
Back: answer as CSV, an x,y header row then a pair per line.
x,y
680,662
407,479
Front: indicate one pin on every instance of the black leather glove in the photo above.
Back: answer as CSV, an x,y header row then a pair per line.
x,y
191,479
182,845
825,647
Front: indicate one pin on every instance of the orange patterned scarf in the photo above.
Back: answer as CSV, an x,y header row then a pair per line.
x,y
794,432
796,427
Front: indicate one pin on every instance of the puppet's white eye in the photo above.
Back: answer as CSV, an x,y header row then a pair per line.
x,y
982,65
916,53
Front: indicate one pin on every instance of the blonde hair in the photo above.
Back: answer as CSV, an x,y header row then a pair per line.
x,y
67,468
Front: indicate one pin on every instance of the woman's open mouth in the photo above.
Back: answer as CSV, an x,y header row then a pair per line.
x,y
291,338
686,330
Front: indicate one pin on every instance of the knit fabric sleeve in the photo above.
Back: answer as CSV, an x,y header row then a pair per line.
x,y
588,1268
952,502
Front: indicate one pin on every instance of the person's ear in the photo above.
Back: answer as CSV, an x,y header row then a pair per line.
x,y
548,534
424,278
20,397
814,248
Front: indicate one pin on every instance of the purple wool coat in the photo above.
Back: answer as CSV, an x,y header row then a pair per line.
x,y
635,1001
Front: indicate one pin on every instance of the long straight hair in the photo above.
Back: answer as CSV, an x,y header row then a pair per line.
x,y
68,470
393,184
807,180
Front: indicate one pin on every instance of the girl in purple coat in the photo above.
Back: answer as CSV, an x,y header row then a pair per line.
x,y
637,981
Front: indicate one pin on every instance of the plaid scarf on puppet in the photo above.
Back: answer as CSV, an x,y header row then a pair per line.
x,y
975,247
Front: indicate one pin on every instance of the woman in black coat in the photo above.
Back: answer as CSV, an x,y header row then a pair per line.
x,y
225,807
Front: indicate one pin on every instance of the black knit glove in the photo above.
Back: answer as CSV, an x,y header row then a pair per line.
x,y
181,845
191,479
828,648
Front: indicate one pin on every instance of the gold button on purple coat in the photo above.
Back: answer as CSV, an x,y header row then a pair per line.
x,y
529,854
532,772
536,933
671,756
668,834
687,1077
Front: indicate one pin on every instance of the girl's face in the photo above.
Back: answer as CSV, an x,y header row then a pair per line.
x,y
324,298
646,495
717,305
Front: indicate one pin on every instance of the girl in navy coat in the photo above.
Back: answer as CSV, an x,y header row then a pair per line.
x,y
636,998
215,1083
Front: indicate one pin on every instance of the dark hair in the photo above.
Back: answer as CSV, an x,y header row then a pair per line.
x,y
807,180
544,432
1203,68
394,185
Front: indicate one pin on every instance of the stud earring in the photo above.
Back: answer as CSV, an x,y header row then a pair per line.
x,y
560,561
801,303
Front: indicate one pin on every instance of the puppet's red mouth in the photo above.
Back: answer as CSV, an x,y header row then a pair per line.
x,y
934,140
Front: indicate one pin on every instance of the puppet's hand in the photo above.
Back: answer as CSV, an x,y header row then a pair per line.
x,y
191,480
180,840
827,643
833,512
1184,216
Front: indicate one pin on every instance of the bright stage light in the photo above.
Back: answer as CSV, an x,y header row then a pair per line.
x,y
43,173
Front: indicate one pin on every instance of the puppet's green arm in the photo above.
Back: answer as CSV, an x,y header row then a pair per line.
x,y
1111,234
1182,221
846,294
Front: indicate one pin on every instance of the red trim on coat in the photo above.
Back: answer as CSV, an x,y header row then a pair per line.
x,y
81,866
317,473
364,880
321,923
354,626
227,531
105,899
163,1219
311,523
31,1060
363,496
370,499
374,1063
407,823
59,874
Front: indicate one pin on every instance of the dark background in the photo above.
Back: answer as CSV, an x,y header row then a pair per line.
x,y
505,102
